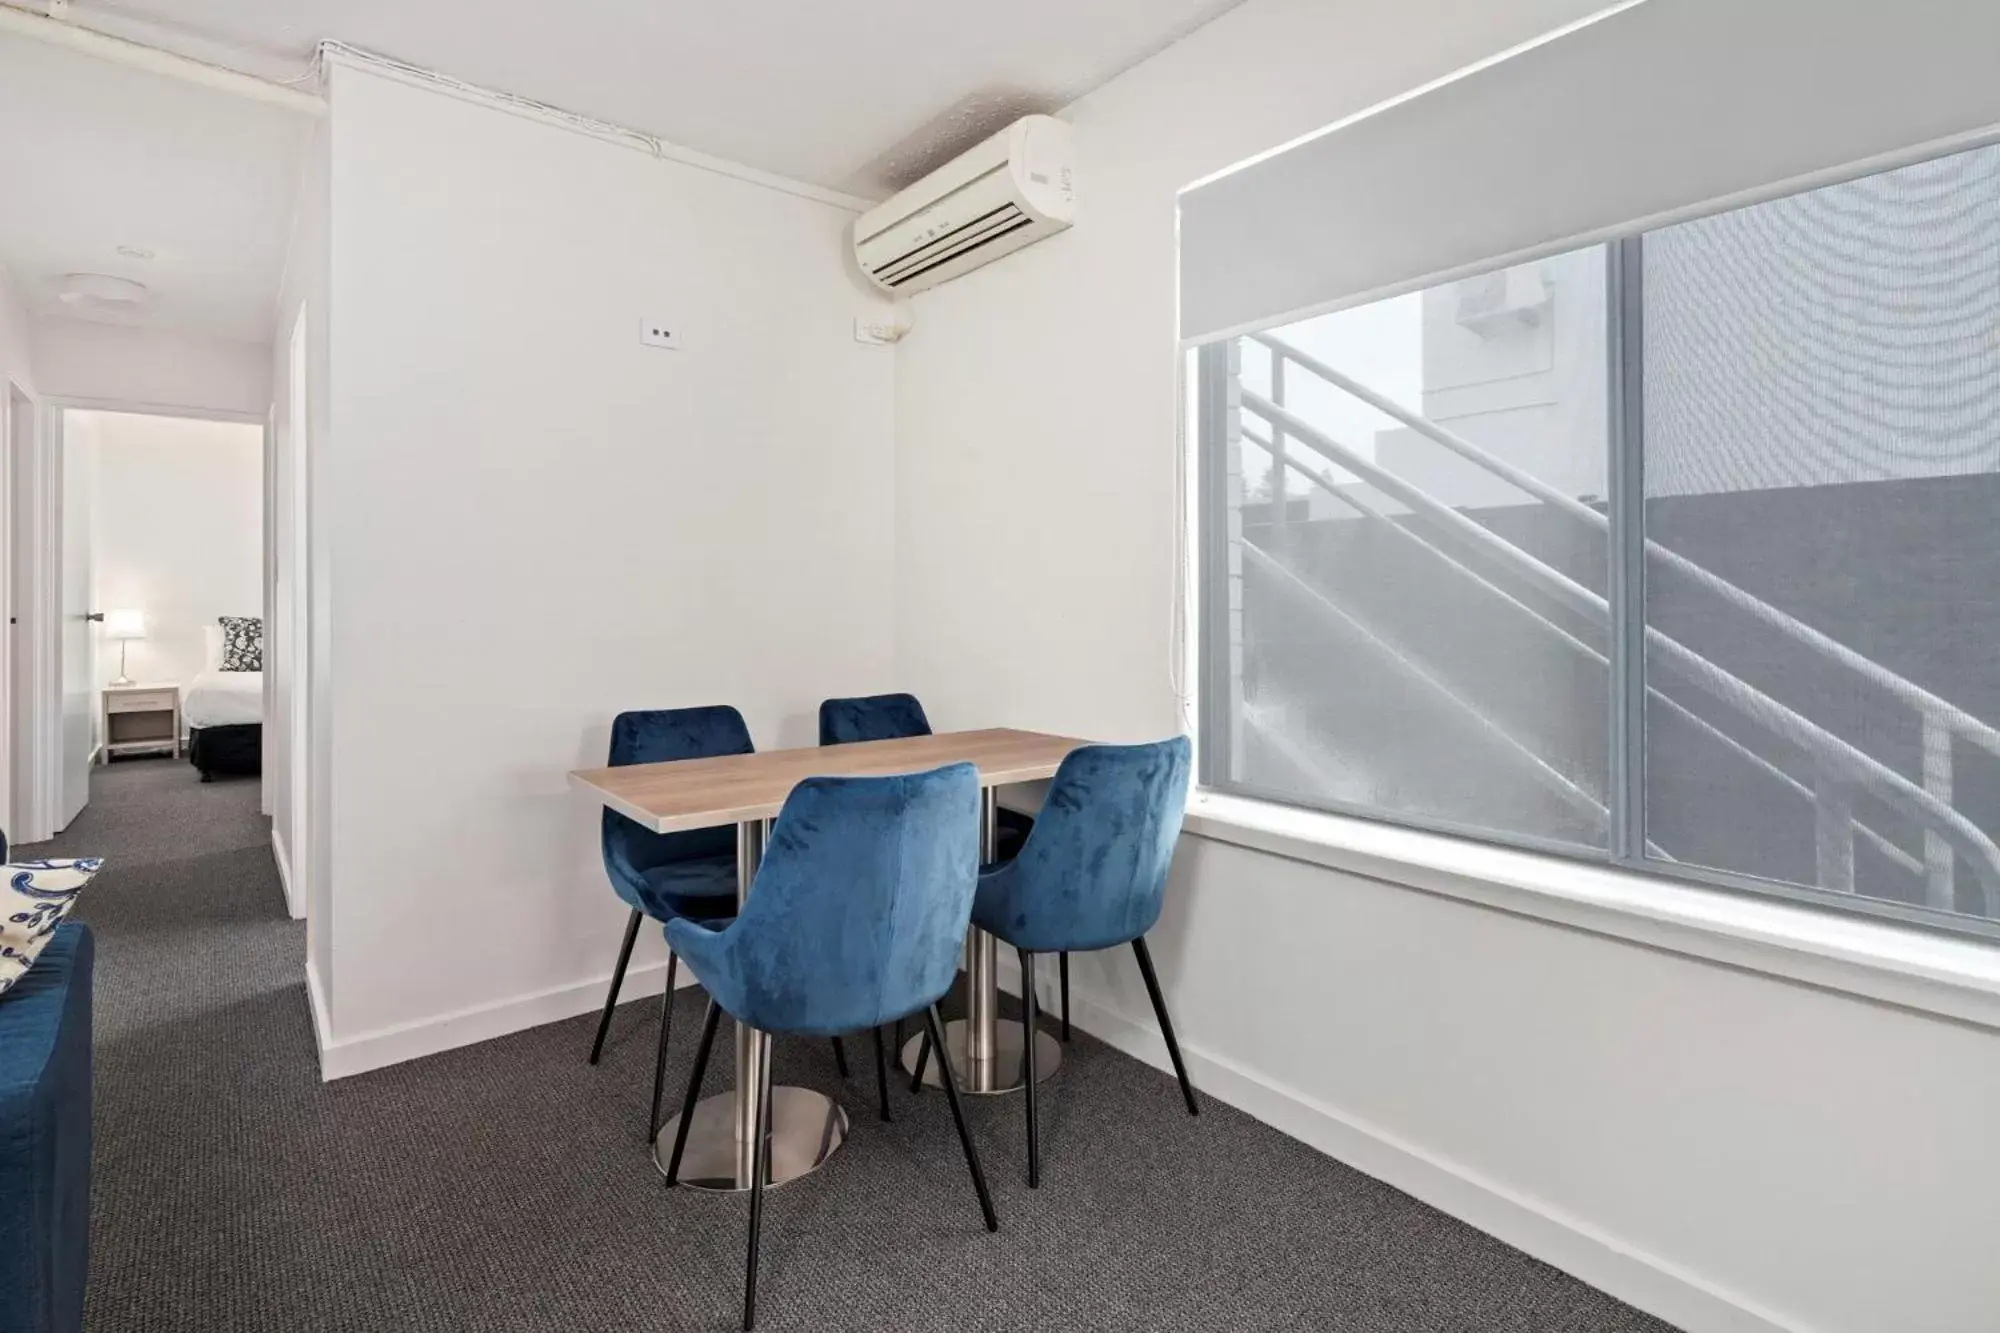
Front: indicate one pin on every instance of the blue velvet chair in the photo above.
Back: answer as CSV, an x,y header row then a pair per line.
x,y
855,919
1092,875
45,1138
670,875
871,717
887,717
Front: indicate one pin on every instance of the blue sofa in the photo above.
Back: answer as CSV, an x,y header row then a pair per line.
x,y
45,1138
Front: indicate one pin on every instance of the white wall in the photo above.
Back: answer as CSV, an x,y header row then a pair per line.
x,y
297,589
14,336
149,368
1728,1149
1732,1150
538,522
177,533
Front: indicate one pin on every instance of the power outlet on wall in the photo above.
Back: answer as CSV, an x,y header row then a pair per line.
x,y
660,333
879,332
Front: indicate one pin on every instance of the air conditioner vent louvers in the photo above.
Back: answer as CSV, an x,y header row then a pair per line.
x,y
964,240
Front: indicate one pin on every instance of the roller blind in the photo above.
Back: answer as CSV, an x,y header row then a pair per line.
x,y
1648,111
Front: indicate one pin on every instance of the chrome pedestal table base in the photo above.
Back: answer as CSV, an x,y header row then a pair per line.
x,y
1004,1071
807,1127
986,1050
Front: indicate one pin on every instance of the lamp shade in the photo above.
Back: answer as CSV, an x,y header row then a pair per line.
x,y
125,624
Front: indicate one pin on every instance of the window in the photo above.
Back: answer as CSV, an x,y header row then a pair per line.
x,y
1675,552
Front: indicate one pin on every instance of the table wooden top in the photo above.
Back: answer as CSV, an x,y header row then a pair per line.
x,y
702,793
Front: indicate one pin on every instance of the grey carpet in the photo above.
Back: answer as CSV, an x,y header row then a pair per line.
x,y
504,1186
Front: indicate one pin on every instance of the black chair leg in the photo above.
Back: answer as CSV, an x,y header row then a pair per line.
x,y
923,1058
882,1074
935,1026
1166,1024
760,1161
840,1056
617,980
1062,973
708,1025
660,1056
1030,1025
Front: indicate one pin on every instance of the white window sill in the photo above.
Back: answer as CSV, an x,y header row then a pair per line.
x,y
1958,978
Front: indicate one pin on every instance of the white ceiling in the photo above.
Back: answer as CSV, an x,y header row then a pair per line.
x,y
859,97
856,95
94,156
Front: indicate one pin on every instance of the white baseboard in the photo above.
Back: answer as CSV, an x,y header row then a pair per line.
x,y
1571,1244
293,905
322,1021
412,1041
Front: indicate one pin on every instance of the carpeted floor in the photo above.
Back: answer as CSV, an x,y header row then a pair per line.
x,y
504,1186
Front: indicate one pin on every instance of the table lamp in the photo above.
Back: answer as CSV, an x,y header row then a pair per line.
x,y
124,626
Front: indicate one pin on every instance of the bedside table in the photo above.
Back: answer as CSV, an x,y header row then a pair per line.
x,y
141,719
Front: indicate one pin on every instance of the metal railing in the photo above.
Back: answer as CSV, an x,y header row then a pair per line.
x,y
1875,838
1568,789
1840,770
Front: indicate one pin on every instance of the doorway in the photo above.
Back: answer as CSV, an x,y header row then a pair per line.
x,y
144,575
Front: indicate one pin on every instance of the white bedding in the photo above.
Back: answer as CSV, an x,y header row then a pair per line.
x,y
224,698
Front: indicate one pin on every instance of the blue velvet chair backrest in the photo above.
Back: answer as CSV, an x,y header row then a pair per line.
x,y
873,717
860,907
1093,872
656,736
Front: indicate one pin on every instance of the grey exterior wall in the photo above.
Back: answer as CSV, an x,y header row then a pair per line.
x,y
1842,335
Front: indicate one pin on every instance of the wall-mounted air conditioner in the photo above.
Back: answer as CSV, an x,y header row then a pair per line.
x,y
1010,191
1505,301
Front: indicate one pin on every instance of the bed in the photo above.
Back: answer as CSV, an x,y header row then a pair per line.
x,y
225,717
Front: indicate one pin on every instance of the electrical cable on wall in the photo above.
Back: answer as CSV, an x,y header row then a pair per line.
x,y
58,26
601,129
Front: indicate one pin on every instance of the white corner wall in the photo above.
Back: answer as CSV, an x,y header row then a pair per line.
x,y
1729,1150
1045,386
301,588
177,532
149,369
538,522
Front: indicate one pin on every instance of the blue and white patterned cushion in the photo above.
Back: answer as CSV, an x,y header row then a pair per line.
x,y
34,898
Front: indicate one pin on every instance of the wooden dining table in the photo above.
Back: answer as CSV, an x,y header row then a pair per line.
x,y
748,790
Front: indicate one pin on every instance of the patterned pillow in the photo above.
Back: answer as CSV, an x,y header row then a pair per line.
x,y
242,643
35,898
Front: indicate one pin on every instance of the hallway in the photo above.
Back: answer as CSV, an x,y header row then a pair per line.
x,y
204,1077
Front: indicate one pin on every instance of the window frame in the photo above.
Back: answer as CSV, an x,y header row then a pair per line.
x,y
1214,442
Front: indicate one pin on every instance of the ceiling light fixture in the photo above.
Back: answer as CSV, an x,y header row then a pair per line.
x,y
101,291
